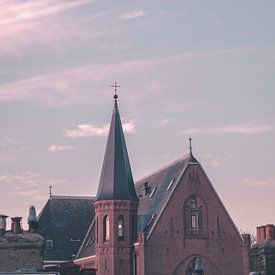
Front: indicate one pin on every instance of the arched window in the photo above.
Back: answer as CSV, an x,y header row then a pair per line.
x,y
193,218
106,229
120,228
193,203
96,229
134,228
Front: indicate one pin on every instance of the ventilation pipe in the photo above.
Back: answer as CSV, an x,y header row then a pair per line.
x,y
32,220
3,224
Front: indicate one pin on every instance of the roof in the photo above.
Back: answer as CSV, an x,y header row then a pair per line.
x,y
88,245
161,184
65,220
116,181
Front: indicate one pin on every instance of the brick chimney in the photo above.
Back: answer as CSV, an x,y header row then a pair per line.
x,y
260,233
270,232
16,227
265,233
3,224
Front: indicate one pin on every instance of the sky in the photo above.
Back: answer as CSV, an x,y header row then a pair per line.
x,y
200,69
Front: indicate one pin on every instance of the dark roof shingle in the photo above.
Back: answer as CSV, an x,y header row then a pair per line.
x,y
65,220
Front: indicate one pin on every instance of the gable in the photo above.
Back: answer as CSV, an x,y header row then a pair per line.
x,y
194,182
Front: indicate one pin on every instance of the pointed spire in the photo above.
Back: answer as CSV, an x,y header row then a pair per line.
x,y
116,180
191,157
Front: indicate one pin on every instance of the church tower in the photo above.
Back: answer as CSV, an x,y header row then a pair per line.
x,y
116,205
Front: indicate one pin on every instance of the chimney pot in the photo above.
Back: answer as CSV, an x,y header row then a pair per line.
x,y
16,227
270,232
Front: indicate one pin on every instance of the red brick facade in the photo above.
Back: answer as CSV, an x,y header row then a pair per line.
x,y
114,250
169,248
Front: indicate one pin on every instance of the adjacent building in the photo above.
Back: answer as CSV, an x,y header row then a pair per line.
x,y
20,249
262,255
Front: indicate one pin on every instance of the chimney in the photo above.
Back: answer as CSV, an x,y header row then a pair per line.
x,y
260,233
3,224
270,232
16,227
246,239
32,220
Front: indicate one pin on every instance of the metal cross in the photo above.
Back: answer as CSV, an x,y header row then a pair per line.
x,y
50,187
190,145
115,86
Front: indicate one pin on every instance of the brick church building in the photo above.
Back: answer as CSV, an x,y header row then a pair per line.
x,y
172,221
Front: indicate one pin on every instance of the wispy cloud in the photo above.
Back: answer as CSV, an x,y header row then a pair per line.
x,y
91,130
213,160
259,183
27,183
25,22
87,130
60,148
166,121
133,14
249,128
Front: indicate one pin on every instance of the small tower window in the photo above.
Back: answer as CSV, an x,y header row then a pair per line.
x,y
106,229
120,228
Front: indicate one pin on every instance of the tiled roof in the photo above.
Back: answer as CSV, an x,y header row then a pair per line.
x,y
88,245
116,181
161,184
65,220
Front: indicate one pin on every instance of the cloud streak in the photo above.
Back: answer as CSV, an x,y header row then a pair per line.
x,y
259,183
60,148
27,22
91,130
249,128
133,14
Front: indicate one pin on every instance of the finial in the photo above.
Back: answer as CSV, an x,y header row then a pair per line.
x,y
115,86
50,191
190,145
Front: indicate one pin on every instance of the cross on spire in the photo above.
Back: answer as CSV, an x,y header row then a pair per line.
x,y
50,191
115,86
190,145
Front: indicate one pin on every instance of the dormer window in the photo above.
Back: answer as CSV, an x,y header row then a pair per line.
x,y
146,188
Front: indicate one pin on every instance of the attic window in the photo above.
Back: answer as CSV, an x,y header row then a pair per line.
x,y
170,184
146,188
153,192
49,244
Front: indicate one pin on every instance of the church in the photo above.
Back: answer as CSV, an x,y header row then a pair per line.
x,y
171,221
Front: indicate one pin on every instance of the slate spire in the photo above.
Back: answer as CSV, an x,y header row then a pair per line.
x,y
116,180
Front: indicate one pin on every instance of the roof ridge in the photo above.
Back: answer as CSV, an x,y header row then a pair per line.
x,y
71,197
165,166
